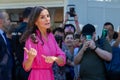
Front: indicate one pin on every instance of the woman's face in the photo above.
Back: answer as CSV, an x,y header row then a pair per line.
x,y
43,21
69,40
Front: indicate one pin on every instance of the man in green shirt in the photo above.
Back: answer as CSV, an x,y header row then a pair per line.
x,y
91,56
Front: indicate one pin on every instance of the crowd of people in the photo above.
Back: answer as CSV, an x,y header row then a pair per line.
x,y
35,51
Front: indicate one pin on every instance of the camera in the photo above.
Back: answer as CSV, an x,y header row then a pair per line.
x,y
71,11
88,37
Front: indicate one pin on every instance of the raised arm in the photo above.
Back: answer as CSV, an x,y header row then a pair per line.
x,y
77,24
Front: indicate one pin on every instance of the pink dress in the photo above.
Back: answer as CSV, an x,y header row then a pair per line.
x,y
40,69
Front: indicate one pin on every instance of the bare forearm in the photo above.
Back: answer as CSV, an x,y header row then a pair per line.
x,y
59,60
77,24
104,54
27,64
78,57
77,27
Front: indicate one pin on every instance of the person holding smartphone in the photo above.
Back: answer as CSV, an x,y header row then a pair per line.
x,y
70,27
90,56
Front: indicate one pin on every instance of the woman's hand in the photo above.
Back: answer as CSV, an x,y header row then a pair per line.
x,y
31,53
49,59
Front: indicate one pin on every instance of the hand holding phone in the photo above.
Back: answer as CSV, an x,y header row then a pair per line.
x,y
104,33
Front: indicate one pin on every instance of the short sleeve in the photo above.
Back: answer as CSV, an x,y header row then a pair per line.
x,y
104,44
107,46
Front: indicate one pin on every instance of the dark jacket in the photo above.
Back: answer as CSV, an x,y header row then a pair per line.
x,y
20,73
6,61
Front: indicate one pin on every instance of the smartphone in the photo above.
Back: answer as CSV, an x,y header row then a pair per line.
x,y
71,10
104,33
88,37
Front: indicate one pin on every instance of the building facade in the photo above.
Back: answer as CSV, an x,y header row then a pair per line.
x,y
96,12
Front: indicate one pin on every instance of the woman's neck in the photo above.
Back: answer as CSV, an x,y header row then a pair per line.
x,y
44,33
71,48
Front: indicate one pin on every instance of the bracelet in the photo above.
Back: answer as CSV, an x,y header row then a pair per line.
x,y
95,48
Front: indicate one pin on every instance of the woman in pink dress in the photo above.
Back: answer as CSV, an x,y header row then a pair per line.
x,y
41,49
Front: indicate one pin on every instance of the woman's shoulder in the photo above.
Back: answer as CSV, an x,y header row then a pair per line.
x,y
29,41
51,34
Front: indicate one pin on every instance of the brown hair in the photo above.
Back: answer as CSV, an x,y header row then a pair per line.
x,y
69,33
31,27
